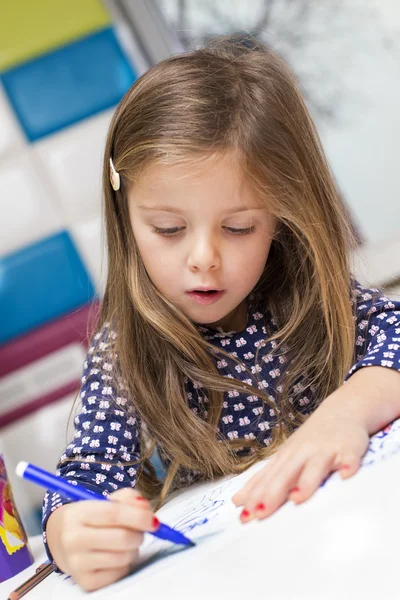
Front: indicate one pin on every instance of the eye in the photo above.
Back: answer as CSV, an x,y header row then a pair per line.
x,y
169,231
244,231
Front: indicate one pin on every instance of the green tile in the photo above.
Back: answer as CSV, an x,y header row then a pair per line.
x,y
29,28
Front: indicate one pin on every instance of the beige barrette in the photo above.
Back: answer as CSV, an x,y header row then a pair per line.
x,y
114,177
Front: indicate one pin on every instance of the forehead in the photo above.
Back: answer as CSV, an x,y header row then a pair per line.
x,y
213,178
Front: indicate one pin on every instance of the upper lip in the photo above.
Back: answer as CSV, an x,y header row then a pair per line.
x,y
204,288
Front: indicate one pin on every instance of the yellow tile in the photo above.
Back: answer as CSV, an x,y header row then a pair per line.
x,y
29,28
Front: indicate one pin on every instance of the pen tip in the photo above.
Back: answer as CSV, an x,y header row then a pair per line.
x,y
191,543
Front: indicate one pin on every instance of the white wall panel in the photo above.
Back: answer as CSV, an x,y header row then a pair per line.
x,y
11,136
41,377
40,439
378,263
72,160
90,240
27,211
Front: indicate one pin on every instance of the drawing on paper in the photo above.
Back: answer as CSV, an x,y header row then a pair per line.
x,y
383,444
200,512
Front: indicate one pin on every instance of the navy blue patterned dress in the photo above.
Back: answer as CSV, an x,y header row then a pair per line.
x,y
107,430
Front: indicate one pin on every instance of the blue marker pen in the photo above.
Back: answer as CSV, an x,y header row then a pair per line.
x,y
76,492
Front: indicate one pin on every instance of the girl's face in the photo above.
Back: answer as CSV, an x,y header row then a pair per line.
x,y
202,229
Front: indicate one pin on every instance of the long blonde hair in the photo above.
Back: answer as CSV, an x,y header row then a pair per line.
x,y
242,97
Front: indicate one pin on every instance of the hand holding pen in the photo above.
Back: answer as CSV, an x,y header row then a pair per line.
x,y
97,542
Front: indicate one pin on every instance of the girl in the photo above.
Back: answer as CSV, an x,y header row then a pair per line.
x,y
230,320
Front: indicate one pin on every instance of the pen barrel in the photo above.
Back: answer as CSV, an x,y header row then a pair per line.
x,y
165,532
58,484
74,491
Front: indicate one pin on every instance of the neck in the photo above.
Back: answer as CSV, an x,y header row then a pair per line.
x,y
236,320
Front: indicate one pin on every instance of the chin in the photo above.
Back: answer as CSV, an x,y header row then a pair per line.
x,y
208,319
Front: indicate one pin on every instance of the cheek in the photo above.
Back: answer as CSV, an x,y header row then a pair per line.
x,y
158,261
255,270
250,259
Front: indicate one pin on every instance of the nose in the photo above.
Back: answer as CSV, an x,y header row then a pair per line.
x,y
204,255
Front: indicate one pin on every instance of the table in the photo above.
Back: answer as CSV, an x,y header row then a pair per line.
x,y
340,544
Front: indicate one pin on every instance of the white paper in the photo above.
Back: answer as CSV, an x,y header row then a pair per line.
x,y
206,514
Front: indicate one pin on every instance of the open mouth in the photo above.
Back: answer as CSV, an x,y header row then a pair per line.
x,y
205,296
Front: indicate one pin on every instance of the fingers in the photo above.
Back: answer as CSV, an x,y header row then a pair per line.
x,y
130,496
349,465
99,540
296,481
241,495
311,477
268,493
276,472
90,581
272,467
117,513
101,561
114,540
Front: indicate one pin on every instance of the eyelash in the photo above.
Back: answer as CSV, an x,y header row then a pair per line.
x,y
174,231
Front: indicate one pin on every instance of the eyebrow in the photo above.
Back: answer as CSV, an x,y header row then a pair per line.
x,y
179,211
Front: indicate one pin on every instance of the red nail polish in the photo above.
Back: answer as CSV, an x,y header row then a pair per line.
x,y
261,507
141,498
295,490
156,522
345,467
244,514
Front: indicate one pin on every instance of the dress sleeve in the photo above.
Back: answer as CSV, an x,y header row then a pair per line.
x,y
377,330
107,433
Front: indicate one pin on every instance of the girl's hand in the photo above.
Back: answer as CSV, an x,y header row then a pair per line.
x,y
331,439
97,542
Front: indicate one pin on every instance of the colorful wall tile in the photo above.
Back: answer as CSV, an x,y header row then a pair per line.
x,y
67,85
62,72
28,29
40,283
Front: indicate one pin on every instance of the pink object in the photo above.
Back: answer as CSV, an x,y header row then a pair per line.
x,y
30,407
38,343
74,327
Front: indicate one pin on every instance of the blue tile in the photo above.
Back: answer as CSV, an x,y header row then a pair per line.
x,y
70,84
39,283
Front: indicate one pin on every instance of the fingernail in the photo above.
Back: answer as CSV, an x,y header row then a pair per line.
x,y
244,514
155,522
345,467
141,498
295,490
261,507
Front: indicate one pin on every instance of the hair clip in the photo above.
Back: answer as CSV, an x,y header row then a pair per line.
x,y
114,177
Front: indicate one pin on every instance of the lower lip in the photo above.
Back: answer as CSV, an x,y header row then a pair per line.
x,y
205,298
